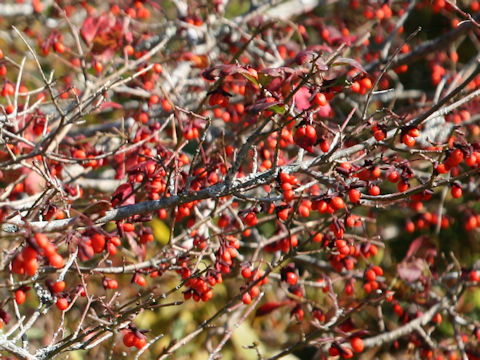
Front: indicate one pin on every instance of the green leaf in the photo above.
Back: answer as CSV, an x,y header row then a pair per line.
x,y
250,78
278,109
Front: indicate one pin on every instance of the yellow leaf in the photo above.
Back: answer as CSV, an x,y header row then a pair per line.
x,y
160,230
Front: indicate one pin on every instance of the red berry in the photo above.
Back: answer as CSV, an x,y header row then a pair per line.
x,y
304,211
98,66
292,278
347,353
398,310
246,298
140,280
357,344
402,186
379,135
370,275
378,270
455,158
56,260
154,99
254,291
355,87
354,195
140,342
318,237
9,109
324,146
29,253
98,242
129,50
42,240
112,284
247,272
408,140
437,319
58,287
474,276
129,339
128,227
374,190
250,219
320,99
414,132
158,68
18,266
337,203
333,351
59,47
20,296
283,214
394,176
456,192
62,304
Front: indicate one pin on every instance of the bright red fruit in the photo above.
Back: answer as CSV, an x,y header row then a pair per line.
x,y
62,304
357,344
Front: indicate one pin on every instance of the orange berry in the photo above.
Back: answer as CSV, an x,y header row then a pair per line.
x,y
337,203
9,109
158,68
129,50
59,47
354,195
58,287
31,267
140,342
56,260
128,227
98,66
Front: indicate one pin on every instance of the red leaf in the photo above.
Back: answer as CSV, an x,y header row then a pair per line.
x,y
222,71
89,29
123,195
275,72
111,104
351,62
325,111
261,105
305,56
411,271
321,65
268,307
302,98
414,247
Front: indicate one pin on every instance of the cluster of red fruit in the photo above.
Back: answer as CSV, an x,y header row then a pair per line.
x,y
356,346
96,243
56,288
26,262
252,276
200,288
134,338
426,220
